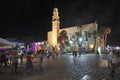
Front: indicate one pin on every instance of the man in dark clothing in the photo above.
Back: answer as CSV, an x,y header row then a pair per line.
x,y
21,57
4,60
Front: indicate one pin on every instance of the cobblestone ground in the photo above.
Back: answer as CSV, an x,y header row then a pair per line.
x,y
65,67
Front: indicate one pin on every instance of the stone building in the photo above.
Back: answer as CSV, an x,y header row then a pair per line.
x,y
87,42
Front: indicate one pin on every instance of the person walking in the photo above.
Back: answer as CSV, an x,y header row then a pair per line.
x,y
80,51
21,57
75,50
14,67
115,63
110,56
4,58
41,57
29,64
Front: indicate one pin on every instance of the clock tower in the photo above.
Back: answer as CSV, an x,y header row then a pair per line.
x,y
55,26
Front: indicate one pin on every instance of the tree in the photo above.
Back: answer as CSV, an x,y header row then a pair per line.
x,y
107,31
86,35
78,35
63,34
103,32
95,34
60,39
63,38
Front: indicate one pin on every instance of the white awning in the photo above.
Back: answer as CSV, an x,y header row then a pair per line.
x,y
4,43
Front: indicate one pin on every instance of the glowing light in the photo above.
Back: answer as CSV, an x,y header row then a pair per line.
x,y
36,43
39,43
80,39
117,48
71,42
91,46
99,50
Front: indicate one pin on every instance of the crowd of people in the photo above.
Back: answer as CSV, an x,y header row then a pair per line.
x,y
10,57
13,58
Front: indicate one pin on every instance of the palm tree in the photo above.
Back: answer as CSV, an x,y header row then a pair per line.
x,y
107,31
102,36
103,32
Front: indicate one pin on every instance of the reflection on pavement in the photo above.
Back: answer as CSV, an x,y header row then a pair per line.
x,y
86,77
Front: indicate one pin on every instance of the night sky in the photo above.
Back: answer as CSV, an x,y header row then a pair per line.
x,y
23,18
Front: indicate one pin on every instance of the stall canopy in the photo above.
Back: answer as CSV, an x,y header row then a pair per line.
x,y
4,43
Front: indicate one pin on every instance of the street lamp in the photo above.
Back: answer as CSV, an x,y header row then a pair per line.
x,y
80,40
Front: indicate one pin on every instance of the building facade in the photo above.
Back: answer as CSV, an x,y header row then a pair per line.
x,y
87,41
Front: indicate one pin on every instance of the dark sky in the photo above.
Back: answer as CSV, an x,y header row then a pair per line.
x,y
23,18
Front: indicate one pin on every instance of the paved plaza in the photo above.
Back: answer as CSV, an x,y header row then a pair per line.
x,y
65,67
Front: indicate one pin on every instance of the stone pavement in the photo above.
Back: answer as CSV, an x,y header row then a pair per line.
x,y
65,67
